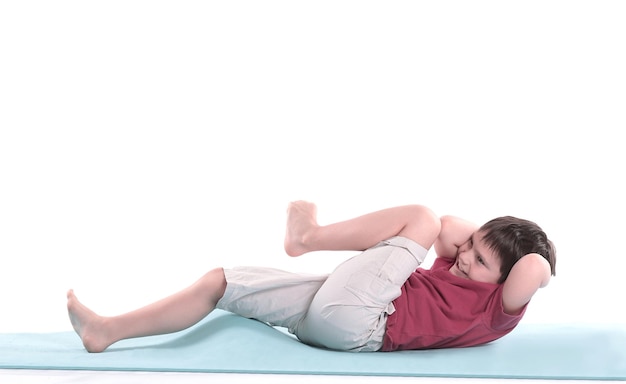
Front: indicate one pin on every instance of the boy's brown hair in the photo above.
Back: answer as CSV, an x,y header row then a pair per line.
x,y
512,238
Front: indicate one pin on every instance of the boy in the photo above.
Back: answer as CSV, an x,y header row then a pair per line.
x,y
379,300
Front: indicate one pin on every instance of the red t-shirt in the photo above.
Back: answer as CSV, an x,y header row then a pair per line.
x,y
440,310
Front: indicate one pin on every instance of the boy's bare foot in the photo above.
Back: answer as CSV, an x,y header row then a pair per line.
x,y
301,219
88,325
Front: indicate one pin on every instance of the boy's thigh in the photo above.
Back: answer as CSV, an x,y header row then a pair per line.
x,y
349,311
269,295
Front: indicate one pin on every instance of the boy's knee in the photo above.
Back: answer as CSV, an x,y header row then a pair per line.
x,y
423,226
214,282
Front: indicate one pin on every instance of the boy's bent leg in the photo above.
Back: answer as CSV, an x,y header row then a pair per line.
x,y
269,295
304,234
350,310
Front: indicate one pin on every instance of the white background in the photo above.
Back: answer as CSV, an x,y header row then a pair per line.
x,y
145,142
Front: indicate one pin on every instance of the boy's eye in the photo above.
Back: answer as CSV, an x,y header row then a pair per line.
x,y
481,261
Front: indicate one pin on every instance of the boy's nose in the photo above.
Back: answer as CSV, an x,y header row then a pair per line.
x,y
463,259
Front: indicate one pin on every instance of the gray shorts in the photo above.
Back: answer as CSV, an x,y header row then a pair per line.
x,y
346,310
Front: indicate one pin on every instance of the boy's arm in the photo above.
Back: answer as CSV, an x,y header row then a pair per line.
x,y
454,233
529,273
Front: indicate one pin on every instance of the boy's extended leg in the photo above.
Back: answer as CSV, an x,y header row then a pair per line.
x,y
171,314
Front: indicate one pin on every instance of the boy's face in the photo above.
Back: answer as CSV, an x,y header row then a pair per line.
x,y
475,261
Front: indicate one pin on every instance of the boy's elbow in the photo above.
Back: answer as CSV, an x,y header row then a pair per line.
x,y
540,267
529,274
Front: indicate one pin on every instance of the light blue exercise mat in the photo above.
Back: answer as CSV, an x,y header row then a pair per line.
x,y
228,343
